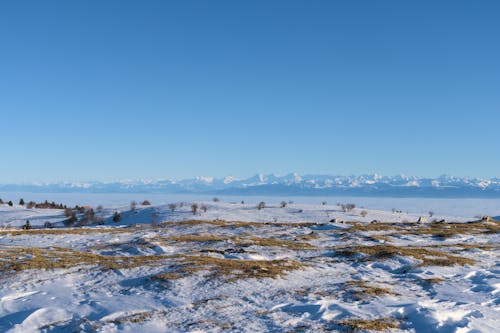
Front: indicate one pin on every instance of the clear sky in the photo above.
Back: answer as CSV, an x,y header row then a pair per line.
x,y
106,90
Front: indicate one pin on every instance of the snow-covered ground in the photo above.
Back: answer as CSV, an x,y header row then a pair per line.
x,y
156,270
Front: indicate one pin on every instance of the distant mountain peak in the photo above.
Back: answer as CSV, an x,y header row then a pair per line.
x,y
288,184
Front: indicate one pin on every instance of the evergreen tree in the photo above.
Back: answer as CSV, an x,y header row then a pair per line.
x,y
10,203
21,202
27,225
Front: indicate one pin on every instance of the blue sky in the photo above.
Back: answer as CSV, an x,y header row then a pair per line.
x,y
105,90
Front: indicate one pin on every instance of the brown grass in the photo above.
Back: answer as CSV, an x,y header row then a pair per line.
x,y
241,240
15,259
307,237
198,238
64,231
380,324
242,224
429,257
231,269
431,281
276,242
137,317
443,230
380,238
362,289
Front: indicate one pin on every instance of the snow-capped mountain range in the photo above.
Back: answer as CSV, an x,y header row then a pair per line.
x,y
290,184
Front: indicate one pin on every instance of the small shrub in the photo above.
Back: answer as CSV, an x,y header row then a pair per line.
x,y
194,208
146,203
133,206
215,199
283,204
261,205
116,217
90,214
204,208
363,213
172,207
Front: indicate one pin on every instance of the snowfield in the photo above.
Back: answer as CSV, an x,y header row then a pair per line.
x,y
233,267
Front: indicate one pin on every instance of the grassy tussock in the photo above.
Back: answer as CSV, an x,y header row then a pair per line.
x,y
380,324
242,240
231,269
380,238
363,290
307,237
431,281
429,257
137,317
16,259
276,242
443,230
239,224
64,231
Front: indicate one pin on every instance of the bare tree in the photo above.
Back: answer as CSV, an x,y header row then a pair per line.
x,y
347,207
90,214
172,206
68,212
133,206
215,199
261,205
363,213
204,208
194,208
283,204
99,208
431,214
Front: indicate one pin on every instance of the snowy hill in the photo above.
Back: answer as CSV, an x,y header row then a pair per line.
x,y
235,268
291,184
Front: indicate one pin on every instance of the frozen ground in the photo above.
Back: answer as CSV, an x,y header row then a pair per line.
x,y
225,269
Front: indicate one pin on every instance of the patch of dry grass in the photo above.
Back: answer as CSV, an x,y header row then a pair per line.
x,y
241,240
198,238
443,230
362,289
242,224
276,242
380,324
307,237
429,257
16,259
380,238
230,269
446,230
135,318
430,281
64,231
